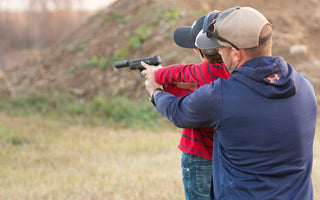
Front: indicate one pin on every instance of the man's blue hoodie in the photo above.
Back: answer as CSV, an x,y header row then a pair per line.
x,y
264,117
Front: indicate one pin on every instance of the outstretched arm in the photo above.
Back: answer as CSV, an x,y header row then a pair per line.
x,y
190,111
176,73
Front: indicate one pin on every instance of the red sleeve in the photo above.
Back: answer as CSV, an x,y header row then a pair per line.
x,y
176,73
201,74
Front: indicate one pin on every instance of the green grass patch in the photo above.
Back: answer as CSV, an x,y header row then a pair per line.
x,y
119,55
140,35
170,16
96,61
118,111
120,18
102,62
79,46
105,19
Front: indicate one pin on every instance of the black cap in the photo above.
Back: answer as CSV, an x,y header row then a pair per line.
x,y
185,36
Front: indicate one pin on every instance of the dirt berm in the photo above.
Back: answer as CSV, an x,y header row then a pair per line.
x,y
83,62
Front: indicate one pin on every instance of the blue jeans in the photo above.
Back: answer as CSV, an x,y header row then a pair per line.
x,y
196,176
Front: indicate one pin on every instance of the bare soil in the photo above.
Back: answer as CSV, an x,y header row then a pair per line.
x,y
64,67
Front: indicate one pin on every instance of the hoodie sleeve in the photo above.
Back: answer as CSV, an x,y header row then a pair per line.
x,y
199,109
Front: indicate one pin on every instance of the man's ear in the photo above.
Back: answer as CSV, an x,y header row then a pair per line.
x,y
235,55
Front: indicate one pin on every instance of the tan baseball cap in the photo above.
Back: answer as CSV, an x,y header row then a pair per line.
x,y
238,27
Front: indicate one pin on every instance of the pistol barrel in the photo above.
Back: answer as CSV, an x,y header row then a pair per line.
x,y
121,64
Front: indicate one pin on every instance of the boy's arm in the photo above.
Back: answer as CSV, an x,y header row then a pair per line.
x,y
176,73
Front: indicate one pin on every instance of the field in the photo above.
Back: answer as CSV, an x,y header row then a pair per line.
x,y
85,146
44,159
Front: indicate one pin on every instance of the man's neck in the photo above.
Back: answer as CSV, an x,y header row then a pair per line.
x,y
245,57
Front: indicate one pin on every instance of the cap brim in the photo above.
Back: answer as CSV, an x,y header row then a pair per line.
x,y
182,38
203,42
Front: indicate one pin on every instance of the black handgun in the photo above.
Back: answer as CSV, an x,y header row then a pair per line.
x,y
136,63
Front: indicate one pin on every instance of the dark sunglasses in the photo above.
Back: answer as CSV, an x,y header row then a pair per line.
x,y
213,27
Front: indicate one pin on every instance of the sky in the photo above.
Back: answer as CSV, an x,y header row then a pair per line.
x,y
18,5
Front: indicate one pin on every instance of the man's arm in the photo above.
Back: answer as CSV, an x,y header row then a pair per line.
x,y
199,109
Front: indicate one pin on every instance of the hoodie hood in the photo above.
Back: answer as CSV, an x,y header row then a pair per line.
x,y
271,77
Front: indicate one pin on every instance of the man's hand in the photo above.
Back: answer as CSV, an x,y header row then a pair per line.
x,y
149,74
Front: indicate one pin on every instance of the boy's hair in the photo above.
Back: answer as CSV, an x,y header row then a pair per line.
x,y
212,55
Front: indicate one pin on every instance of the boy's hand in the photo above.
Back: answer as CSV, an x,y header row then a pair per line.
x,y
149,74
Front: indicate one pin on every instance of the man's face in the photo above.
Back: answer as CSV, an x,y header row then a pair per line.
x,y
228,58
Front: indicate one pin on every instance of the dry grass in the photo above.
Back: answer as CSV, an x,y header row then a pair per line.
x,y
43,159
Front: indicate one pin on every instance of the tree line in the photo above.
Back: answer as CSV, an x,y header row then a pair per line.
x,y
38,26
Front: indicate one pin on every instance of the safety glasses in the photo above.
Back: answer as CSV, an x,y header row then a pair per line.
x,y
213,27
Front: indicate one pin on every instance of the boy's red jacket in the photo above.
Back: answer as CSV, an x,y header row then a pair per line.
x,y
196,141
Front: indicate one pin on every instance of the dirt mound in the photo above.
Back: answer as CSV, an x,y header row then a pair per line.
x,y
83,63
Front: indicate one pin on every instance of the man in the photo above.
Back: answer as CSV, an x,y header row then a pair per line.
x,y
196,144
264,115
